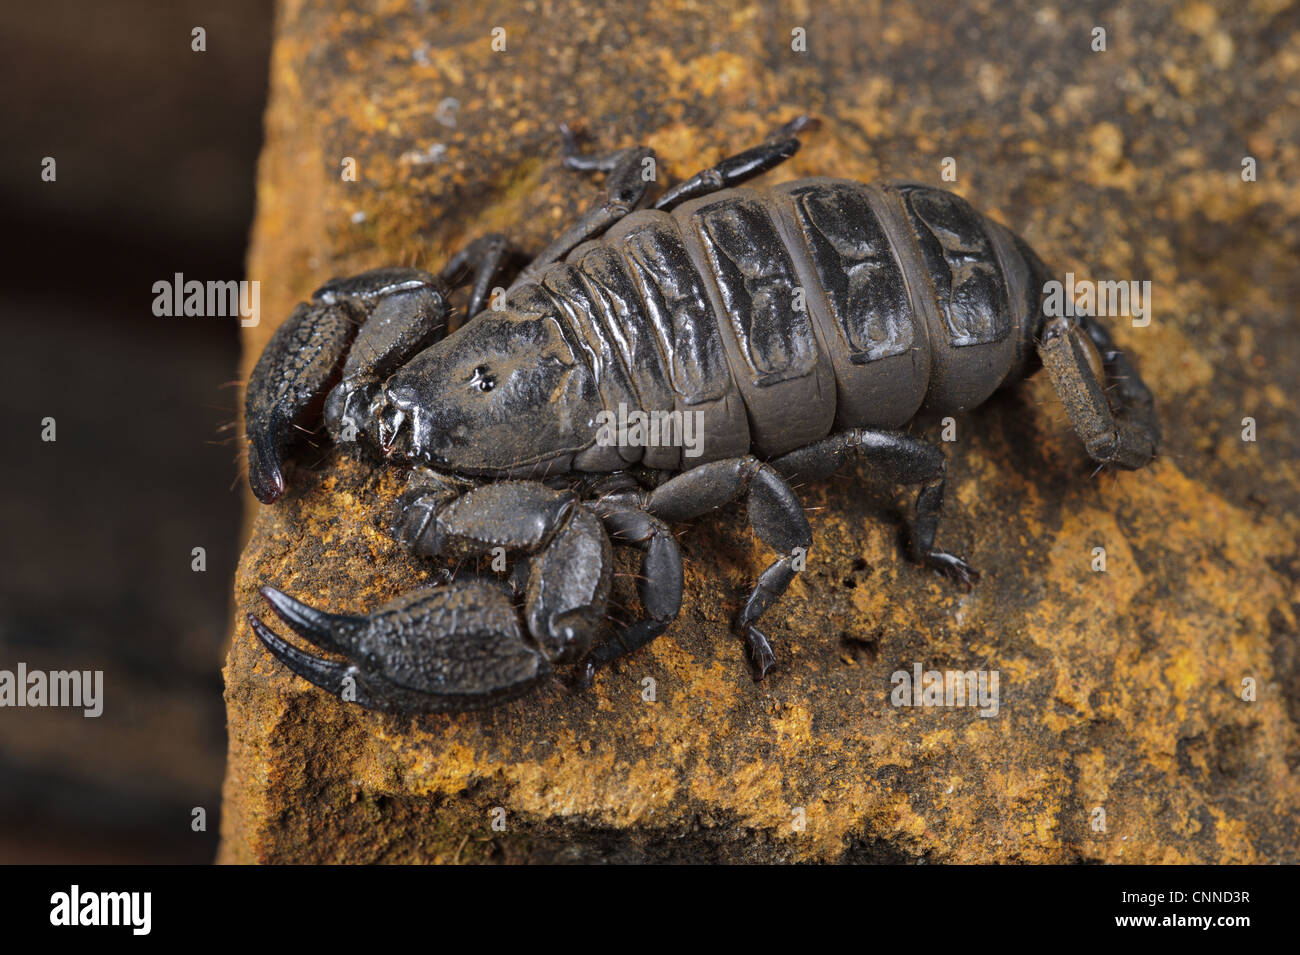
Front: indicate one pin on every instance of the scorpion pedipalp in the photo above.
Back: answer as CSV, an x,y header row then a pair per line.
x,y
443,648
334,353
289,379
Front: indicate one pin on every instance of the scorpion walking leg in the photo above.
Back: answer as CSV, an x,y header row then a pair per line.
x,y
775,514
732,171
625,186
660,585
901,459
1125,431
479,262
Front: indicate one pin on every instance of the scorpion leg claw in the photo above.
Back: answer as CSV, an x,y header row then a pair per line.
x,y
759,651
950,565
582,676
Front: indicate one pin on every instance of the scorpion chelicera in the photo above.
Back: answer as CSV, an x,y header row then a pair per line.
x,y
801,326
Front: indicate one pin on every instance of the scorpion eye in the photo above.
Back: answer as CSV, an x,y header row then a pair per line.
x,y
483,378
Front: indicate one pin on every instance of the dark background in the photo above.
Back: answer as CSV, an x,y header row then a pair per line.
x,y
156,148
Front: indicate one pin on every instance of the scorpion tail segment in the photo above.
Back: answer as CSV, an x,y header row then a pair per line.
x,y
287,387
334,633
1083,363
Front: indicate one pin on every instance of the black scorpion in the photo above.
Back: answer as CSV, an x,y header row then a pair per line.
x,y
799,326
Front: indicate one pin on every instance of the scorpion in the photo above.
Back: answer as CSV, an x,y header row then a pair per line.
x,y
801,326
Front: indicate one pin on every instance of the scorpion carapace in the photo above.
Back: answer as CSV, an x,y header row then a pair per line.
x,y
792,329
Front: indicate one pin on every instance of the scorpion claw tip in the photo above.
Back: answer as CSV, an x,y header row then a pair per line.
x,y
323,673
952,566
264,474
330,632
582,678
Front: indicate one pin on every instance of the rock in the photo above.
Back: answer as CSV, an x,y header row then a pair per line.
x,y
1121,734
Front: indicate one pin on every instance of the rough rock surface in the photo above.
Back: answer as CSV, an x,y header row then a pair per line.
x,y
1120,691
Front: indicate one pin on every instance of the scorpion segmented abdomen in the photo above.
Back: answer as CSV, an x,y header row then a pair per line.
x,y
678,317
781,369
620,314
858,297
780,315
970,284
563,283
